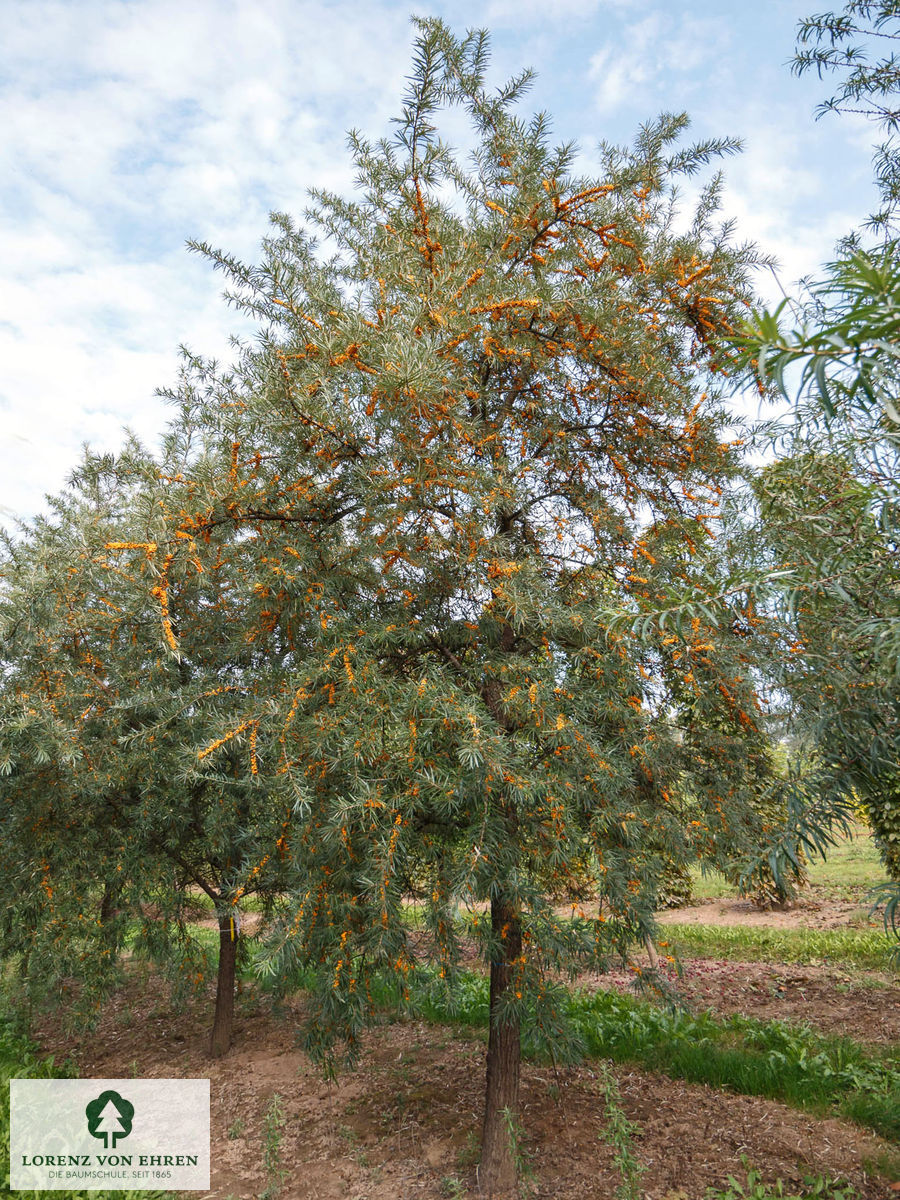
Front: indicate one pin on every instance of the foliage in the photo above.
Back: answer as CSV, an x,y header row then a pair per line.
x,y
830,507
840,680
481,648
831,503
676,886
842,43
821,1187
62,832
108,820
845,350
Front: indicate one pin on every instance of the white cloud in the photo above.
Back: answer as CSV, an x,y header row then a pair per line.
x,y
619,72
663,51
127,128
499,13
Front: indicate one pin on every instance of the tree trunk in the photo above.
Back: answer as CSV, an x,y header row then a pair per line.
x,y
111,892
652,952
220,1041
497,1176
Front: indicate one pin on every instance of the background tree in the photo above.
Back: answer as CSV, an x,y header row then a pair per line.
x,y
842,694
832,503
488,419
58,836
831,510
108,821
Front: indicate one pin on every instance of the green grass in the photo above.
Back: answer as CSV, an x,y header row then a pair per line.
x,y
866,949
19,1059
824,1075
756,1058
853,867
710,885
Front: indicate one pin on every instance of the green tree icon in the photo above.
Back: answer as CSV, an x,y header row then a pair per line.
x,y
109,1117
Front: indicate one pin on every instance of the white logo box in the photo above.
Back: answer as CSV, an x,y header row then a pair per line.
x,y
109,1134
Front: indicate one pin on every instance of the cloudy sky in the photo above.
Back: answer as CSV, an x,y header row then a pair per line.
x,y
131,125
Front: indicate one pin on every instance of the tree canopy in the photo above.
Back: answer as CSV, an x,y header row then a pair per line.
x,y
485,412
105,805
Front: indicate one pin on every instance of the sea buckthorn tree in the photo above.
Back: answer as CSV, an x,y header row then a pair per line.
x,y
115,664
482,423
62,853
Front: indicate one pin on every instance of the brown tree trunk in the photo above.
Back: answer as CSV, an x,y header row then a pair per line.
x,y
108,902
652,952
220,1041
497,1175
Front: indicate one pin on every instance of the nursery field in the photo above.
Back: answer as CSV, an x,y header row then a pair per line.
x,y
777,1074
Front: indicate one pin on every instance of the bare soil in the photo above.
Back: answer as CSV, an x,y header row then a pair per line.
x,y
864,1006
810,912
407,1123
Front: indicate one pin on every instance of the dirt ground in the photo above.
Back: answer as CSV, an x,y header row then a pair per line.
x,y
811,912
406,1125
864,1005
